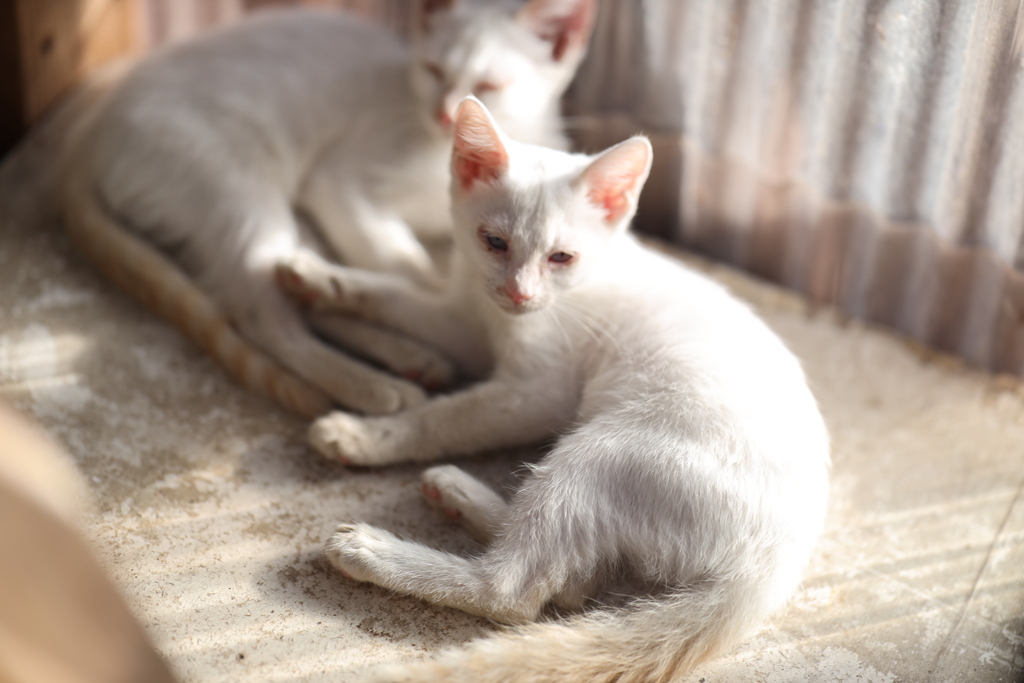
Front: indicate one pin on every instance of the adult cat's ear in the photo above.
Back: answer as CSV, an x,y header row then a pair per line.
x,y
565,24
425,9
478,153
613,180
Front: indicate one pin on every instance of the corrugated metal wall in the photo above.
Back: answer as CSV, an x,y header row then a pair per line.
x,y
168,20
867,152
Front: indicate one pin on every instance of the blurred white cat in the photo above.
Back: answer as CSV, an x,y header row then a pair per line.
x,y
197,159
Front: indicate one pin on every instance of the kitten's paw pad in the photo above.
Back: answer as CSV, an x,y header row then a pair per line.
x,y
356,551
437,500
445,489
344,438
432,493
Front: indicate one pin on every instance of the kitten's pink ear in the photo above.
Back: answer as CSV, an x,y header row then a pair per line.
x,y
478,154
613,181
565,24
425,9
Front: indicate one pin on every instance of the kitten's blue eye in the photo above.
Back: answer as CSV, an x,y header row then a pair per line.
x,y
560,257
497,243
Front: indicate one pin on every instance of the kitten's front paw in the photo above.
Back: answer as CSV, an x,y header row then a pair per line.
x,y
356,551
348,439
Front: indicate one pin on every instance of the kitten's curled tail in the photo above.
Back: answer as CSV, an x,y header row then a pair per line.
x,y
158,284
651,641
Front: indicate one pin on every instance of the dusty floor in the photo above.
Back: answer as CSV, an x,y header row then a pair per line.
x,y
211,511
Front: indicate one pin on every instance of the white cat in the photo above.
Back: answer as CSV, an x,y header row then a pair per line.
x,y
691,463
205,150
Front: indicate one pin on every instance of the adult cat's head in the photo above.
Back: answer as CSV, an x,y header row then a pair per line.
x,y
535,222
516,58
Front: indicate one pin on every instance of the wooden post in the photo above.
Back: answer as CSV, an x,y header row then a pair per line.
x,y
46,46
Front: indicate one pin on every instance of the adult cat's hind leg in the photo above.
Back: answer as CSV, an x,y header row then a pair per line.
x,y
465,499
386,299
397,353
271,321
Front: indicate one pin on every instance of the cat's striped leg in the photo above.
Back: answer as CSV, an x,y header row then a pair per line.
x,y
465,499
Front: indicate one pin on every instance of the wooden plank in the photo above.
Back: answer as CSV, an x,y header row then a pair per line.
x,y
52,45
12,87
63,40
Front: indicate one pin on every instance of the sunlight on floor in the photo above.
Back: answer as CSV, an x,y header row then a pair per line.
x,y
34,361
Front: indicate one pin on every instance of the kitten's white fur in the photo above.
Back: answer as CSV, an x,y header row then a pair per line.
x,y
205,150
692,459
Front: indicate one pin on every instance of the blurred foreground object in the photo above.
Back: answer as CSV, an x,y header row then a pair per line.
x,y
61,620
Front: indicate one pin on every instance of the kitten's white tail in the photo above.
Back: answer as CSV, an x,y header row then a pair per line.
x,y
652,641
157,282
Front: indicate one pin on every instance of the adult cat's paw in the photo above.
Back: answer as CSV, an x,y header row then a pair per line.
x,y
371,392
315,283
351,440
357,550
427,368
384,398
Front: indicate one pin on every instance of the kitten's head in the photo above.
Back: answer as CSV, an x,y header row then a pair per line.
x,y
517,59
535,222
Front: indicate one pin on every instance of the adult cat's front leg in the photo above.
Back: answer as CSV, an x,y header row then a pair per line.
x,y
488,416
386,299
363,234
273,323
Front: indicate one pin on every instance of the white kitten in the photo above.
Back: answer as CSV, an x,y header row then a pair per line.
x,y
691,463
204,151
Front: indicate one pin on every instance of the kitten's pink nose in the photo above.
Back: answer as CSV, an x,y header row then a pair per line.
x,y
516,295
443,117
